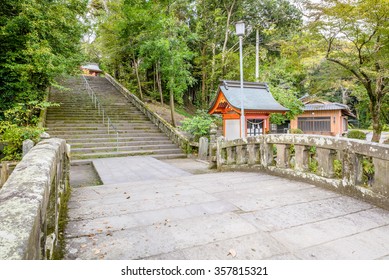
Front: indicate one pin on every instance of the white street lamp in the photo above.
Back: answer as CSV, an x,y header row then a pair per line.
x,y
240,28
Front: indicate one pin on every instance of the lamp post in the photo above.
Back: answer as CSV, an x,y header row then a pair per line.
x,y
240,28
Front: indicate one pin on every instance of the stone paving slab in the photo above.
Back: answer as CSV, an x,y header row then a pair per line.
x,y
137,168
208,216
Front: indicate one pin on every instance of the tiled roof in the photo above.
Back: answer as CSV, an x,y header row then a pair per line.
x,y
92,66
257,96
328,107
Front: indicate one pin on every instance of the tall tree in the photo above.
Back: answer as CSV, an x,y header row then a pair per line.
x,y
356,36
39,39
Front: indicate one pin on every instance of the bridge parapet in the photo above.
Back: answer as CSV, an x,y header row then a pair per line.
x,y
32,200
354,167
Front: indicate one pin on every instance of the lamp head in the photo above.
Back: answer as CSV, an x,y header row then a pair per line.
x,y
240,28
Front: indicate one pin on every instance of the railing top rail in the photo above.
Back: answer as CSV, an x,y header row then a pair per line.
x,y
89,88
361,147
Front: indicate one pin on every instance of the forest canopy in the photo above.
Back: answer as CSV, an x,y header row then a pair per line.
x,y
177,51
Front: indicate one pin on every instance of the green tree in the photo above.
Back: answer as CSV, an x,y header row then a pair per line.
x,y
39,40
355,37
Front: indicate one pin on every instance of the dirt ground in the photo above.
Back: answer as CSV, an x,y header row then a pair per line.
x,y
164,112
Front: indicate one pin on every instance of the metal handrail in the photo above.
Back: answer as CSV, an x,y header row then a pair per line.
x,y
101,111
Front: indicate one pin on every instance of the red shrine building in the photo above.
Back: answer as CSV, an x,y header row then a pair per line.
x,y
258,104
91,69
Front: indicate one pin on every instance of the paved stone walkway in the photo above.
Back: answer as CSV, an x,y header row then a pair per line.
x,y
138,168
232,215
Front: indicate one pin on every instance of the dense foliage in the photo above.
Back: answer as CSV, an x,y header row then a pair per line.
x,y
39,39
199,125
182,48
356,134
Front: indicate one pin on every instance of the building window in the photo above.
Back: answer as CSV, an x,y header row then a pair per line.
x,y
315,124
345,128
254,127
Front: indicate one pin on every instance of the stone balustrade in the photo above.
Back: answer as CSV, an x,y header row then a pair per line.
x,y
353,167
163,125
32,202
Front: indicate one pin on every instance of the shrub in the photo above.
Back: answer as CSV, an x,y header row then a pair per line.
x,y
296,131
312,161
27,114
356,134
367,171
14,136
198,125
338,168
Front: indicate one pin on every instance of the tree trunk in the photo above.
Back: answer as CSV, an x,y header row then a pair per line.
x,y
138,78
344,94
229,13
159,83
213,68
375,108
172,106
203,78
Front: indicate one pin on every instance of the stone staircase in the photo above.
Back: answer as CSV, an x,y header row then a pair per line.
x,y
79,123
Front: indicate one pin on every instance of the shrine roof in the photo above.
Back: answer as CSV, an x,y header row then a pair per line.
x,y
257,96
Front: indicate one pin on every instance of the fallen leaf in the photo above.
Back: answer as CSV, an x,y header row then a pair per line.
x,y
128,197
232,253
96,251
83,245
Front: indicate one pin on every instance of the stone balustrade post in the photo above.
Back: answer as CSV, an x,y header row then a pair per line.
x,y
212,146
220,153
253,151
231,155
381,176
301,158
27,146
325,158
266,151
203,148
282,155
241,152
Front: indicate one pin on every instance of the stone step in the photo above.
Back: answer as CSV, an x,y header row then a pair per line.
x,y
114,148
79,122
162,153
112,138
118,123
91,107
82,134
102,128
120,143
95,116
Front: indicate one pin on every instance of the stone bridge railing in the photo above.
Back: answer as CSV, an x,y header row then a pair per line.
x,y
163,125
32,203
353,167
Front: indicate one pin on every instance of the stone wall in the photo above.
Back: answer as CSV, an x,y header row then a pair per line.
x,y
31,202
353,167
163,125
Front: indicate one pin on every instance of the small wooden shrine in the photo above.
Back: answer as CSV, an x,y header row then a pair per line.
x,y
258,103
